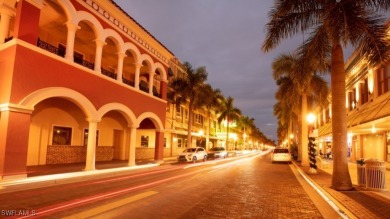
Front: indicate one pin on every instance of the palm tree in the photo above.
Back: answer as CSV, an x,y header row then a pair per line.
x,y
188,89
300,71
248,124
288,105
229,113
211,101
334,24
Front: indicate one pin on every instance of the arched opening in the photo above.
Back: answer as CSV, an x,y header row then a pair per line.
x,y
157,83
146,140
56,133
114,137
129,68
144,76
52,29
85,46
110,58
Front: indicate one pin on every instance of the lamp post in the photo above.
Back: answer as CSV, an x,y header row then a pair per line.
x,y
312,150
201,135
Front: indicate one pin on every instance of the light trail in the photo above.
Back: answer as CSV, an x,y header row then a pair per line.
x,y
83,201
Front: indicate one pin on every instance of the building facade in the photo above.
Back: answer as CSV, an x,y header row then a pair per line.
x,y
81,81
368,112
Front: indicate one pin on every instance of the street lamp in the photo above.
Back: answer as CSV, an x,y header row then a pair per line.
x,y
201,135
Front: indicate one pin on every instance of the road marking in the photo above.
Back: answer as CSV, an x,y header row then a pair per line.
x,y
110,206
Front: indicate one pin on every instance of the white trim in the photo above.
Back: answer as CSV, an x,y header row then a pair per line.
x,y
16,108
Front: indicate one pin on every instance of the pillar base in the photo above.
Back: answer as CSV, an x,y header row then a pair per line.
x,y
18,176
312,171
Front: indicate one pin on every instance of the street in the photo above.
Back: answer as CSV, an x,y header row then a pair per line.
x,y
249,187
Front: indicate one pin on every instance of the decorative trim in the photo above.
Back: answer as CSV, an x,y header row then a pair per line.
x,y
16,108
131,34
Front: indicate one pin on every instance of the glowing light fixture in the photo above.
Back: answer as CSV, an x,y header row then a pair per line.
x,y
373,129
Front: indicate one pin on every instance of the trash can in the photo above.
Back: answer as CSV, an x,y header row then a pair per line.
x,y
375,174
361,173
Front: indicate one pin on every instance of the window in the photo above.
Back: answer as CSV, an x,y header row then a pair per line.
x,y
179,142
327,116
198,118
351,99
186,112
178,111
364,92
62,135
144,141
86,131
165,142
383,75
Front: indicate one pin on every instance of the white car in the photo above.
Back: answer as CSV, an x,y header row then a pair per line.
x,y
281,155
192,155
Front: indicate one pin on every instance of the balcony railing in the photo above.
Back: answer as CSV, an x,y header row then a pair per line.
x,y
61,52
50,48
128,82
108,73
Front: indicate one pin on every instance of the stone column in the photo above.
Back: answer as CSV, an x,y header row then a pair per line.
x,y
137,73
91,144
133,143
98,55
121,57
151,78
72,28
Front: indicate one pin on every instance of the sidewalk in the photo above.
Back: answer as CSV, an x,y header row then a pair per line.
x,y
357,203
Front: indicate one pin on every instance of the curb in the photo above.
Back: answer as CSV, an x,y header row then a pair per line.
x,y
333,202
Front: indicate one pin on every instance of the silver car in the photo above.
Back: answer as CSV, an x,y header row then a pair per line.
x,y
217,152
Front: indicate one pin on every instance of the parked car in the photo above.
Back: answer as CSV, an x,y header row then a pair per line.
x,y
281,155
192,155
217,152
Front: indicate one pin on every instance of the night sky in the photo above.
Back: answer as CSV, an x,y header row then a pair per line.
x,y
225,36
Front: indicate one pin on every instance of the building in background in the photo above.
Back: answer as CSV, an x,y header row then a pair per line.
x,y
368,112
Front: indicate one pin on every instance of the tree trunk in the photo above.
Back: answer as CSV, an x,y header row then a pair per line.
x,y
299,142
208,130
304,132
341,179
227,134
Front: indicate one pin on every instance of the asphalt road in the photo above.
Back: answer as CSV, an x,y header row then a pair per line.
x,y
250,187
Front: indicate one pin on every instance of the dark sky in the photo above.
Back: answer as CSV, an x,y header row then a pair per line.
x,y
225,36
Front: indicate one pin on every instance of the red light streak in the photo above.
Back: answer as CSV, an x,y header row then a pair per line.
x,y
82,201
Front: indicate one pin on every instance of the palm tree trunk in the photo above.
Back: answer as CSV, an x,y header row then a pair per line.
x,y
341,179
299,137
208,131
304,132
